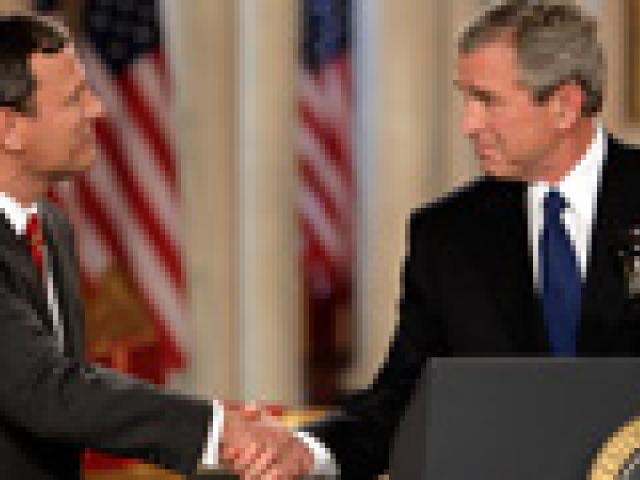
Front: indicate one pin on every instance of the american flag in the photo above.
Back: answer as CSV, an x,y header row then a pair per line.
x,y
126,208
326,170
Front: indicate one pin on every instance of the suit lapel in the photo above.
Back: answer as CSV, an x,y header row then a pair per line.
x,y
20,271
605,297
66,282
508,260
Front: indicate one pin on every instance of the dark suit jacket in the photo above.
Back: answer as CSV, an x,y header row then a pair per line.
x,y
468,291
52,404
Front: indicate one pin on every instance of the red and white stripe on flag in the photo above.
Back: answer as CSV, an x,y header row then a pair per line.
x,y
126,208
326,178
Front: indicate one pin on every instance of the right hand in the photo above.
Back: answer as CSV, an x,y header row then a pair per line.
x,y
257,446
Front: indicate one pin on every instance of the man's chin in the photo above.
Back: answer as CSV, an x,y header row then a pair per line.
x,y
503,172
491,165
78,168
506,176
83,162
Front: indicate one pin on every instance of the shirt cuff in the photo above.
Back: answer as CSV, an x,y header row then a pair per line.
x,y
323,462
212,445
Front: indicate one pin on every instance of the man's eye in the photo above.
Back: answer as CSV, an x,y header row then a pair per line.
x,y
487,100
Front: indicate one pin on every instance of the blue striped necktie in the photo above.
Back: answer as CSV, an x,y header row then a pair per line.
x,y
561,284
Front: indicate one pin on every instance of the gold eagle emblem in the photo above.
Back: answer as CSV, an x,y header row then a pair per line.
x,y
619,456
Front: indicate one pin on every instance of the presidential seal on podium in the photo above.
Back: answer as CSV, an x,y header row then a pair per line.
x,y
619,456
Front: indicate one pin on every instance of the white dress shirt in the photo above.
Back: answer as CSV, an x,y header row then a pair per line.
x,y
580,190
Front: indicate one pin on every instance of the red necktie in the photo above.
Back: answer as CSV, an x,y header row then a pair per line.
x,y
34,235
36,241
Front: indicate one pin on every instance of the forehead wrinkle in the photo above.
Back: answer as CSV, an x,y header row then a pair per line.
x,y
484,69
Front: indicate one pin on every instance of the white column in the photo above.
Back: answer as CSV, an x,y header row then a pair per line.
x,y
269,295
457,160
14,5
207,92
395,58
594,6
366,45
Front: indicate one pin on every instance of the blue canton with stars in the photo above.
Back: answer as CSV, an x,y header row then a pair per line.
x,y
121,31
326,31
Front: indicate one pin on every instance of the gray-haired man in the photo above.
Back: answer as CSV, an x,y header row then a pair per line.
x,y
524,260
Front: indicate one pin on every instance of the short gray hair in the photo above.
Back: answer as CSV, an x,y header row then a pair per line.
x,y
555,42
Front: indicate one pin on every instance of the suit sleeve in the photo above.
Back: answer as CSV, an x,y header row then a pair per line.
x,y
60,399
360,434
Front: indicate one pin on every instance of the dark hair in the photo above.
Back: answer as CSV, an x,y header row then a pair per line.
x,y
22,35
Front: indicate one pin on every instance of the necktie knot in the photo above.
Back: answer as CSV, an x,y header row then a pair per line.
x,y
554,203
35,238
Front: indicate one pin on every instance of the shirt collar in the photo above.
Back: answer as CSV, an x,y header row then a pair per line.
x,y
580,185
16,213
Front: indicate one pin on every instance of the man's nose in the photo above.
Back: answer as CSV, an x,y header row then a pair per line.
x,y
95,108
473,117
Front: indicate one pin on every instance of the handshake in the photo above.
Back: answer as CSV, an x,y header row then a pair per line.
x,y
255,445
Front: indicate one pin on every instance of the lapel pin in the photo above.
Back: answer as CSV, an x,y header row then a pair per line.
x,y
630,254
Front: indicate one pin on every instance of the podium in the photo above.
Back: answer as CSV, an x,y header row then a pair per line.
x,y
522,418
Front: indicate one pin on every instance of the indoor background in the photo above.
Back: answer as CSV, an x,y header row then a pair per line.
x,y
234,120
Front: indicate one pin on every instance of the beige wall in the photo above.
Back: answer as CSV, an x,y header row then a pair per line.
x,y
398,164
236,79
13,5
419,152
614,36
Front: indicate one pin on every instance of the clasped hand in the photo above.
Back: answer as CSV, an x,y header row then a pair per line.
x,y
256,445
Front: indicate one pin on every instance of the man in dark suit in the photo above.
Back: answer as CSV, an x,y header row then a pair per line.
x,y
53,404
534,258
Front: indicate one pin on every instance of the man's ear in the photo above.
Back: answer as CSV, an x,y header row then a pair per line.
x,y
566,105
11,130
